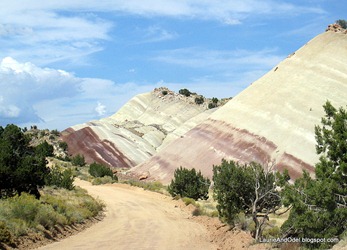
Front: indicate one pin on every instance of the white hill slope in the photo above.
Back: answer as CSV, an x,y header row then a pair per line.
x,y
272,120
140,129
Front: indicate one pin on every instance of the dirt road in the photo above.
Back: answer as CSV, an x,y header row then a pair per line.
x,y
137,219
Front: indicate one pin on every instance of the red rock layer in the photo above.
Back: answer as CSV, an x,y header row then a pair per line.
x,y
210,142
87,143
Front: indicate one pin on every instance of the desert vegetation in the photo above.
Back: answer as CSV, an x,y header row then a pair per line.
x,y
250,195
24,214
102,174
251,189
35,197
319,206
342,23
185,92
154,186
23,168
189,183
199,100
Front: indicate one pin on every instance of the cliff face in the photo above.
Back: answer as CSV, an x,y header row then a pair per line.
x,y
140,129
272,121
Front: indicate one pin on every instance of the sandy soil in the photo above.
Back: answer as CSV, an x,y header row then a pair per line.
x,y
138,219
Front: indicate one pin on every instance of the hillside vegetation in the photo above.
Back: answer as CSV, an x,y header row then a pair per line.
x,y
36,198
317,207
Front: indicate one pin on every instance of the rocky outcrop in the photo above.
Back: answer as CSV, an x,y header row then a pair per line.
x,y
140,129
336,28
272,121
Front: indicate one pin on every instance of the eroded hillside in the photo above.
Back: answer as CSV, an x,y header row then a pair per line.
x,y
272,121
139,130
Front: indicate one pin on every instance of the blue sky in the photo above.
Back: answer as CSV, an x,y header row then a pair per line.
x,y
67,62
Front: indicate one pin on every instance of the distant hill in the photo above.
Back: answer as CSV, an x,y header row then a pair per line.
x,y
139,130
272,121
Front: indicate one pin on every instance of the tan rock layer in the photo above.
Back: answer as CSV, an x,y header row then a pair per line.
x,y
272,120
208,143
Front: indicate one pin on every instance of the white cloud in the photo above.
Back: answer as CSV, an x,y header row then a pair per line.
x,y
157,34
52,98
42,34
100,109
132,70
24,84
57,99
61,30
8,110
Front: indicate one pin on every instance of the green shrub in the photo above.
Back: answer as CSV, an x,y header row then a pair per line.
x,y
214,214
99,170
189,183
44,149
75,205
78,160
5,234
103,180
60,179
342,23
63,145
48,217
55,132
185,92
199,100
244,222
212,105
214,100
271,232
155,186
25,207
164,92
18,227
20,215
188,201
66,158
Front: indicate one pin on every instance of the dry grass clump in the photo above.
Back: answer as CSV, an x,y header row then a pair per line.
x,y
21,215
202,207
154,186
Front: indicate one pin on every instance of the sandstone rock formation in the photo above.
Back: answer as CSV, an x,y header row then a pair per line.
x,y
140,129
272,121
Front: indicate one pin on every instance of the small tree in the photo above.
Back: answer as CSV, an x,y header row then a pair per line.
x,y
319,207
189,183
21,168
342,23
63,145
78,160
45,149
199,100
58,178
212,105
185,92
250,189
55,132
99,170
